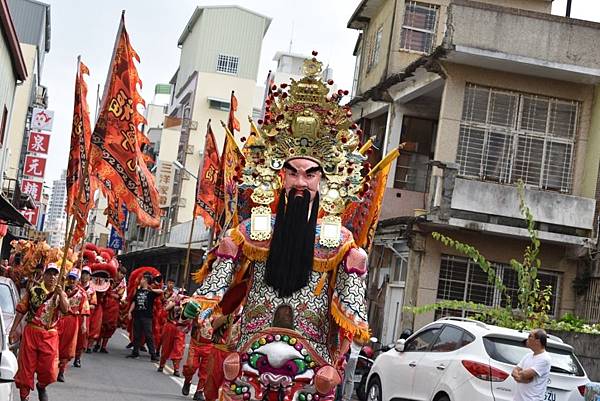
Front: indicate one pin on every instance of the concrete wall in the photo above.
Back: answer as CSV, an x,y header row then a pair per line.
x,y
549,38
399,59
230,31
217,86
383,17
495,249
503,200
19,112
452,106
586,349
8,83
589,172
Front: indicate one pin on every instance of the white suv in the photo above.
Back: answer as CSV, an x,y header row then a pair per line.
x,y
455,359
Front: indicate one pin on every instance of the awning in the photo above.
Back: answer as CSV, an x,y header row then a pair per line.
x,y
9,214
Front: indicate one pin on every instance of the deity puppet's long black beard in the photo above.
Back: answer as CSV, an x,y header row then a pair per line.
x,y
291,253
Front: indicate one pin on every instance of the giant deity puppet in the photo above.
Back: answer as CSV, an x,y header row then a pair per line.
x,y
298,273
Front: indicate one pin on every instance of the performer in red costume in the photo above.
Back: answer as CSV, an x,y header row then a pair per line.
x,y
38,354
82,337
198,357
102,273
73,322
175,329
111,307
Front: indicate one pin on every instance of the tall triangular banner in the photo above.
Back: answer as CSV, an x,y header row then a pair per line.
x,y
117,140
207,201
78,180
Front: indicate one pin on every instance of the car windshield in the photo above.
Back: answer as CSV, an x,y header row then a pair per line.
x,y
513,350
6,299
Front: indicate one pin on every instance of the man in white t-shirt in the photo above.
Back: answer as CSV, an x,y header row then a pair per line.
x,y
531,374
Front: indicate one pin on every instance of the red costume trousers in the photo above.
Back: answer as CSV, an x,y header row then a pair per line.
x,y
82,338
172,345
197,360
95,324
110,317
68,328
216,377
38,354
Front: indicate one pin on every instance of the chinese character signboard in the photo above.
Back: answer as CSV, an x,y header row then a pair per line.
x,y
42,119
38,142
33,188
34,166
164,183
31,215
115,242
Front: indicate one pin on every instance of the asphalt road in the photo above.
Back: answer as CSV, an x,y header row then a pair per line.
x,y
112,377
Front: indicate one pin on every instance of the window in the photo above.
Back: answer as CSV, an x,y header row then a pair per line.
x,y
218,104
227,64
418,30
375,48
509,136
7,302
451,338
422,341
463,280
511,351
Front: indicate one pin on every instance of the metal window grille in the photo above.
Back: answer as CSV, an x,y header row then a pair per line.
x,y
418,29
463,280
506,136
227,64
375,48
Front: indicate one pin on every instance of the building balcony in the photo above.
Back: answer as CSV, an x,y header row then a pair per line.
x,y
523,42
494,208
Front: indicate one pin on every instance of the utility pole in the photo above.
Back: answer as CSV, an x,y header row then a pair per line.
x,y
569,8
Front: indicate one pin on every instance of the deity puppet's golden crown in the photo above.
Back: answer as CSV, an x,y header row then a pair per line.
x,y
302,121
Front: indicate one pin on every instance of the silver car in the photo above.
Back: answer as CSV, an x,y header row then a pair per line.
x,y
8,363
9,298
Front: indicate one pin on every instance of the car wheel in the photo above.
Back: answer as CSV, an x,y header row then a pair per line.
x,y
374,390
443,398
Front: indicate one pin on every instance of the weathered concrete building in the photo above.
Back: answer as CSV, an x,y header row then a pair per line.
x,y
492,92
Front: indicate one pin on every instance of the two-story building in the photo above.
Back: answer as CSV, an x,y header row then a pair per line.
x,y
492,93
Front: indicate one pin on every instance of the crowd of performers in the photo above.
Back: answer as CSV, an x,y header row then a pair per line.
x,y
281,296
61,323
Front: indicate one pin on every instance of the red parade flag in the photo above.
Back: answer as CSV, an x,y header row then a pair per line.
x,y
117,140
207,201
78,181
232,123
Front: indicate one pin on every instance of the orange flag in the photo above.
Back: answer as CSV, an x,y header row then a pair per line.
x,y
117,140
206,187
233,123
78,177
361,218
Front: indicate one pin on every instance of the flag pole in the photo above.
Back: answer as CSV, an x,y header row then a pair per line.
x,y
186,266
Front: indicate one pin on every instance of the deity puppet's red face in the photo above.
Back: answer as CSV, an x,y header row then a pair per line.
x,y
302,174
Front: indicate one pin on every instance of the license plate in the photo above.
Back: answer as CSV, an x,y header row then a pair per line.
x,y
550,396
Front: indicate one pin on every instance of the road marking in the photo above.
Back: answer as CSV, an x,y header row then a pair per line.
x,y
169,371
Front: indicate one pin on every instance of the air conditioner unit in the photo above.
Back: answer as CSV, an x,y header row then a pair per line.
x,y
190,149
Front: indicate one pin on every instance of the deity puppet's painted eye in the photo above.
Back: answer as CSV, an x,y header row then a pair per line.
x,y
257,360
